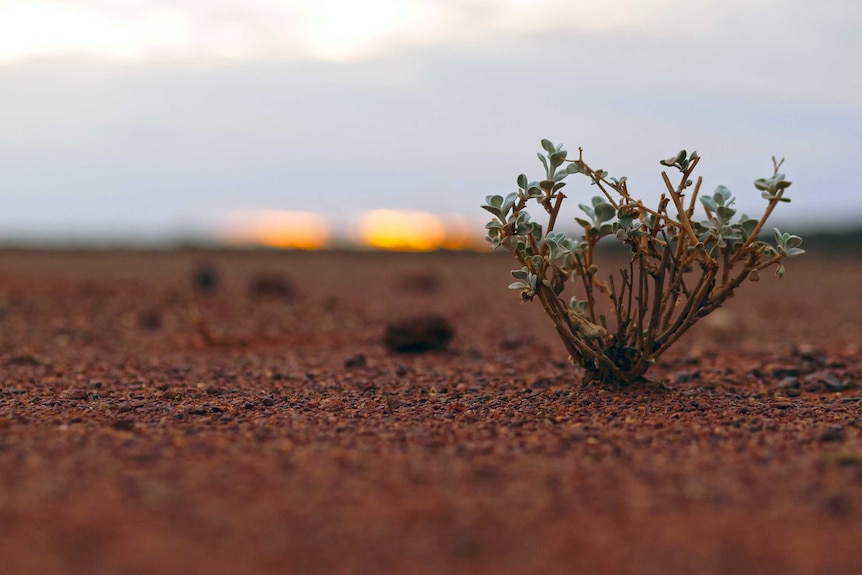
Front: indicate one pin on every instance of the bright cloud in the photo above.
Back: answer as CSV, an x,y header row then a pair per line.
x,y
343,30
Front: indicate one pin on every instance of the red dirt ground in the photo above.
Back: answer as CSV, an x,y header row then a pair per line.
x,y
128,445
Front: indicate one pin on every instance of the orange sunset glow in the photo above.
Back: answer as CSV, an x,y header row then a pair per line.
x,y
382,229
405,230
278,229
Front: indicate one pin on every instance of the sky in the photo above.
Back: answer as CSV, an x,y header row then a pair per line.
x,y
155,118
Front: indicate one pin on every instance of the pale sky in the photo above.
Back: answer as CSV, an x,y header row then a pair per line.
x,y
148,117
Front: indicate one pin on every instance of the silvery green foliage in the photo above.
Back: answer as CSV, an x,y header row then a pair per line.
x,y
666,243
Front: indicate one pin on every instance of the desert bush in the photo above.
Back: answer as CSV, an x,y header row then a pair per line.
x,y
680,269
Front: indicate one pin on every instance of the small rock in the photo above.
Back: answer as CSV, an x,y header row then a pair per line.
x,y
127,406
511,343
355,361
28,359
785,371
839,505
833,433
789,386
123,424
150,320
542,383
419,334
825,380
421,282
847,458
791,382
205,279
271,286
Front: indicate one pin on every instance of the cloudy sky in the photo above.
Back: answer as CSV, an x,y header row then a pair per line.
x,y
164,117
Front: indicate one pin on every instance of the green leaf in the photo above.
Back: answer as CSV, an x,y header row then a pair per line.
x,y
721,195
709,203
583,223
538,261
544,162
725,213
548,146
518,285
748,226
496,201
557,158
605,212
522,181
537,230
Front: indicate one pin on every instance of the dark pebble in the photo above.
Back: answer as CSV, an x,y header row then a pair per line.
x,y
419,334
791,382
123,424
786,372
269,286
355,361
421,283
205,279
150,320
833,433
825,380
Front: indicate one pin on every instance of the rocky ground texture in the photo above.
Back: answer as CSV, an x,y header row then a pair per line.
x,y
204,412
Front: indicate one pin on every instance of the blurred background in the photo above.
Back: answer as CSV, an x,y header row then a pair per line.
x,y
385,123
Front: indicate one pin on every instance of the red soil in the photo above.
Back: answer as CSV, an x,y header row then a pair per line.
x,y
295,443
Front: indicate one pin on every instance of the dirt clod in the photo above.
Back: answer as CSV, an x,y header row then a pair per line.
x,y
419,334
271,286
205,279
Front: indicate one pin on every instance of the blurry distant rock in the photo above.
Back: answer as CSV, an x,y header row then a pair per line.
x,y
419,334
270,286
421,283
205,279
150,320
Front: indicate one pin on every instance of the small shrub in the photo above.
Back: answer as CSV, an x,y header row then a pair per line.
x,y
681,268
